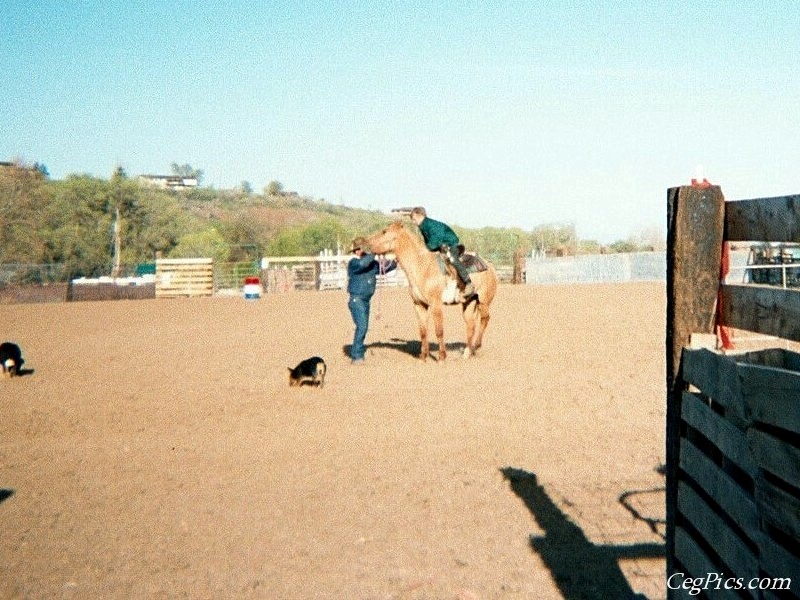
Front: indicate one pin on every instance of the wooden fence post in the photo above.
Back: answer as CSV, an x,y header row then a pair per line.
x,y
695,224
518,273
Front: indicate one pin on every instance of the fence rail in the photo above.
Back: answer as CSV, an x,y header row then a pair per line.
x,y
32,274
733,420
176,277
51,283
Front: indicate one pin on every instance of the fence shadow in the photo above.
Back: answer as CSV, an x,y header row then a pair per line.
x,y
5,494
655,524
580,568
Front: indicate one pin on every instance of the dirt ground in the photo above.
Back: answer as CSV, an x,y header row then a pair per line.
x,y
153,449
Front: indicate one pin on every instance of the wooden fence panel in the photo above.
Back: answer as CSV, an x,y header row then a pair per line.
x,y
738,481
765,309
763,219
718,484
733,422
780,563
733,553
177,277
727,438
694,560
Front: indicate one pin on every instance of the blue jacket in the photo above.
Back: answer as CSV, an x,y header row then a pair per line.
x,y
362,273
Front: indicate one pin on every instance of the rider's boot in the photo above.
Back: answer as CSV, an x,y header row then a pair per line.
x,y
463,274
469,292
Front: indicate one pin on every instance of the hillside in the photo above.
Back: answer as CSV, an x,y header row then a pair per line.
x,y
269,216
89,226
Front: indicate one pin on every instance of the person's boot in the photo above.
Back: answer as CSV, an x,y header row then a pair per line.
x,y
468,293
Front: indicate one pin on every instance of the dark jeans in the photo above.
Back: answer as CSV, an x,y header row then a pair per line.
x,y
359,309
452,256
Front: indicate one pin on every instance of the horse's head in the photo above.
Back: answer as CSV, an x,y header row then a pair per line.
x,y
385,240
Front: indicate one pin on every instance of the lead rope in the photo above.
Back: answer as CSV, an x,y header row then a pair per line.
x,y
381,273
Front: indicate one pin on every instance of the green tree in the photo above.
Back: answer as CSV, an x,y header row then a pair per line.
x,y
79,220
273,188
206,243
186,170
589,247
156,225
309,240
24,196
494,243
42,168
244,236
621,246
555,238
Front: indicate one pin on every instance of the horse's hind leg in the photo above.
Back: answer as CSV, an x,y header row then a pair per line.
x,y
476,317
468,314
483,311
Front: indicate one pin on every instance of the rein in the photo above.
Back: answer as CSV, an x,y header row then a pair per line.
x,y
381,272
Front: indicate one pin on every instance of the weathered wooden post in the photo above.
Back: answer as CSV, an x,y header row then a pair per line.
x,y
518,275
695,224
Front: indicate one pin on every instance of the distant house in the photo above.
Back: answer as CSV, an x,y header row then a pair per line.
x,y
20,166
169,182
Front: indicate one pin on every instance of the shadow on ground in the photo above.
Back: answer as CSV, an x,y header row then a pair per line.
x,y
410,347
628,499
581,569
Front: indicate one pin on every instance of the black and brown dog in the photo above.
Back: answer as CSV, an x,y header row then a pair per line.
x,y
310,371
10,359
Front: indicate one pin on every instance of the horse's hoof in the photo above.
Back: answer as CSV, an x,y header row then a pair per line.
x,y
467,353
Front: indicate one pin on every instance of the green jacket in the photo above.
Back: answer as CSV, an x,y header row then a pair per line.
x,y
435,233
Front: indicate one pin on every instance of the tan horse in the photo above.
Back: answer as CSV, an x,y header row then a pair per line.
x,y
427,282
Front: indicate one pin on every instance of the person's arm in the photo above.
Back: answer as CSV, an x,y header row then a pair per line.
x,y
432,234
364,264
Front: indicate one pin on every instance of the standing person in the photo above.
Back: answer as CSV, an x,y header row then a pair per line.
x,y
362,271
439,237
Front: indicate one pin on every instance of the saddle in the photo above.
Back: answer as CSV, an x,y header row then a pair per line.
x,y
471,260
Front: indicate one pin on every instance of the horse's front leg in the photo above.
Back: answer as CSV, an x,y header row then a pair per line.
x,y
438,326
422,321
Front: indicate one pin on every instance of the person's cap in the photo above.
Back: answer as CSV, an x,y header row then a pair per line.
x,y
358,244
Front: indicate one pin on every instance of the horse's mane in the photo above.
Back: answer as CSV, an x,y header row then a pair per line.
x,y
416,241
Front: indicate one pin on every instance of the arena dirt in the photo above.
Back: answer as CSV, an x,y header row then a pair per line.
x,y
155,450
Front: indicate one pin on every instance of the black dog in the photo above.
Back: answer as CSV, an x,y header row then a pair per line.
x,y
10,359
311,371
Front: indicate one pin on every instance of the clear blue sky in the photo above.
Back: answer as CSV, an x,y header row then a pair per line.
x,y
488,113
